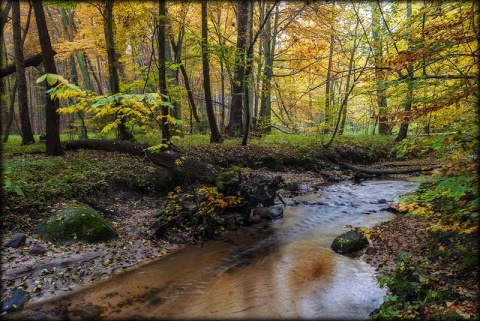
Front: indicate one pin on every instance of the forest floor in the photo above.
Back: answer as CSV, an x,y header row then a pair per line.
x,y
65,267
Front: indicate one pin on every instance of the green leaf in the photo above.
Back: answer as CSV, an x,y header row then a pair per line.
x,y
100,102
52,79
41,78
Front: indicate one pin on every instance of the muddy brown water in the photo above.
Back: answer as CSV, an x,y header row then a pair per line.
x,y
279,269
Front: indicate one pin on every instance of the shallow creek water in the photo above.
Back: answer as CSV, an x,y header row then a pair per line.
x,y
279,269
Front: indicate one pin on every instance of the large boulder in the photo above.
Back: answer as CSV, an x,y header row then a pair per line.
x,y
17,240
349,242
78,222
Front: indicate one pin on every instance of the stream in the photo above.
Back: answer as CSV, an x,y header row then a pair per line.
x,y
279,269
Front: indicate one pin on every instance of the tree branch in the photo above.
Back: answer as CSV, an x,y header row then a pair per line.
x,y
31,61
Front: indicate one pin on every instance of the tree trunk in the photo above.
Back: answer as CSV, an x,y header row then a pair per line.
x,y
384,127
266,96
3,84
235,125
11,112
402,134
112,57
191,99
98,79
328,87
248,72
215,136
4,17
27,133
52,142
162,76
173,76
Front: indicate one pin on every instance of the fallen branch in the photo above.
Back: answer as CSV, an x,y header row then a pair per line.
x,y
388,171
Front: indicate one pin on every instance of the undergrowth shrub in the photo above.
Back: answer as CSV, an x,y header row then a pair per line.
x,y
198,213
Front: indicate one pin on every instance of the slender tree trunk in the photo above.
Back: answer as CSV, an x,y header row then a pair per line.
x,y
162,76
191,99
98,79
402,134
248,73
3,84
11,112
215,136
112,56
27,133
328,87
235,125
4,17
347,90
52,142
173,74
266,96
384,127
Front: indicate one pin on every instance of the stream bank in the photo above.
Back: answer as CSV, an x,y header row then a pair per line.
x,y
282,268
64,268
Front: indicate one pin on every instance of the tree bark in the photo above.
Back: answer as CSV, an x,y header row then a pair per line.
x,y
27,133
402,133
235,125
328,87
269,50
384,127
248,72
52,142
112,57
215,136
162,77
4,17
11,112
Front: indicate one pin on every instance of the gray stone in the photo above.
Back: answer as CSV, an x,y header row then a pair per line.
x,y
17,240
349,242
16,301
37,249
269,213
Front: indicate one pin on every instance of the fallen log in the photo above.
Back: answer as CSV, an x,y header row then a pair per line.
x,y
187,167
388,171
165,159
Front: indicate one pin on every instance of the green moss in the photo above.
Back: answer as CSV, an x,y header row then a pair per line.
x,y
78,223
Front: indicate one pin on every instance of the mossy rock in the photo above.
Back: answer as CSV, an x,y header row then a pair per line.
x,y
349,242
78,222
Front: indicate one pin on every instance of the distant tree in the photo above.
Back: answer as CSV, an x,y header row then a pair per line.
x,y
112,57
27,133
162,76
215,136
